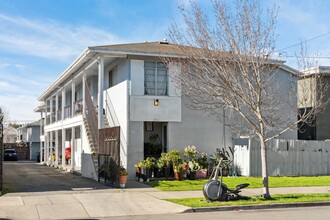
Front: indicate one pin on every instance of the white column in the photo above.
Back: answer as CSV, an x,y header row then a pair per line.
x,y
73,144
56,106
73,97
41,128
63,147
84,91
100,92
56,148
63,102
46,148
51,110
50,156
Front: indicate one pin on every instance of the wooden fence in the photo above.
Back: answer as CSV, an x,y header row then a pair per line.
x,y
109,154
285,157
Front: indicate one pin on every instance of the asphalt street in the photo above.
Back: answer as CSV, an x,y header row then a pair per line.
x,y
28,176
305,213
40,192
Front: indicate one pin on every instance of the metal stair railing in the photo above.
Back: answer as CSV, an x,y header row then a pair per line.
x,y
91,115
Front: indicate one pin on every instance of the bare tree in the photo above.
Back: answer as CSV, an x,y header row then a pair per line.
x,y
6,119
228,67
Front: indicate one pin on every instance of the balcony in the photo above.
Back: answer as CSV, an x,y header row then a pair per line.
x,y
59,115
78,107
47,119
67,112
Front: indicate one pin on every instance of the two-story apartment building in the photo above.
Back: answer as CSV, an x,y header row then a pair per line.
x,y
30,134
128,86
316,80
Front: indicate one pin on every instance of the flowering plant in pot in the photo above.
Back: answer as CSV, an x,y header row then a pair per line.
x,y
123,176
193,168
175,157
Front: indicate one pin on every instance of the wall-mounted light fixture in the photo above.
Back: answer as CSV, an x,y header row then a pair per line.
x,y
156,102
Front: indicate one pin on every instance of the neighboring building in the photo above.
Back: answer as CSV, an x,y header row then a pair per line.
x,y
30,134
129,87
9,135
307,98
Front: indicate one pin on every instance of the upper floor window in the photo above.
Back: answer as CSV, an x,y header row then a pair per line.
x,y
155,78
113,77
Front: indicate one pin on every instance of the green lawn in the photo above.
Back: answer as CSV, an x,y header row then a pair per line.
x,y
255,182
276,199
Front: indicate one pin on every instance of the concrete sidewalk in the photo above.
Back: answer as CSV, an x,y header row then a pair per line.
x,y
137,199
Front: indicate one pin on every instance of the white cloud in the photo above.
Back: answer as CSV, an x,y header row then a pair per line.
x,y
21,107
4,85
49,39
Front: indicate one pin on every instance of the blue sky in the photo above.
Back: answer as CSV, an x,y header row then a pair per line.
x,y
40,38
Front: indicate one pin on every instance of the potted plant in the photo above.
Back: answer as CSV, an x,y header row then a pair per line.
x,y
177,169
123,176
185,170
165,158
105,172
146,167
202,161
193,167
160,164
175,157
190,153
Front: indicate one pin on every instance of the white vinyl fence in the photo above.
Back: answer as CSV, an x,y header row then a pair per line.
x,y
285,157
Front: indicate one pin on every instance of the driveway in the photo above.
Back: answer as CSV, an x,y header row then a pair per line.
x,y
28,176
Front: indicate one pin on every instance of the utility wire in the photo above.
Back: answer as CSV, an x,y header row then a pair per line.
x,y
293,45
307,57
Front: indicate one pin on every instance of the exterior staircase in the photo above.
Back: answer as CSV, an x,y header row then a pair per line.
x,y
93,142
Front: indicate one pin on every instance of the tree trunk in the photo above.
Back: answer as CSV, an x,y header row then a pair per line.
x,y
264,168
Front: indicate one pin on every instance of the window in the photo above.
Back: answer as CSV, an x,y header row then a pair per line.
x,y
155,78
113,77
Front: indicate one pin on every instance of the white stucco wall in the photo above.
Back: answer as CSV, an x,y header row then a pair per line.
x,y
77,153
33,134
198,129
142,108
135,151
116,107
84,141
285,86
137,77
87,167
34,149
121,74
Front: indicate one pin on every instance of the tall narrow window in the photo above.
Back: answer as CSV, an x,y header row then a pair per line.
x,y
113,77
155,78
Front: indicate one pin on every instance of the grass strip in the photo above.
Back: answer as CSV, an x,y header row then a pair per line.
x,y
276,199
232,182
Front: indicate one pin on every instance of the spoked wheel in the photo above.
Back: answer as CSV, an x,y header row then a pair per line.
x,y
211,190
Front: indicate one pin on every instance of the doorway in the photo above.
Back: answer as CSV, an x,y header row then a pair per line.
x,y
155,139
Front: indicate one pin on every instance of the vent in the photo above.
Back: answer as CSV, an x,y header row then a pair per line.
x,y
165,41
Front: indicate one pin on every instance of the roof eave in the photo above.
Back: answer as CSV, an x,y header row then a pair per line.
x,y
64,74
127,53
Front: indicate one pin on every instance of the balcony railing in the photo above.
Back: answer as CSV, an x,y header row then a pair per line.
x,y
67,112
91,114
47,119
53,117
59,115
78,107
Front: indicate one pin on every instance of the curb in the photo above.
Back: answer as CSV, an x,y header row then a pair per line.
x,y
254,207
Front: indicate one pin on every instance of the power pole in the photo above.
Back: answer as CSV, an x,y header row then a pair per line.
x,y
1,150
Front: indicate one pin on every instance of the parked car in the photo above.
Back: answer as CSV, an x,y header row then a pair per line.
x,y
10,154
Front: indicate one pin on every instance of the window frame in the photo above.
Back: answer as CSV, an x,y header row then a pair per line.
x,y
156,69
